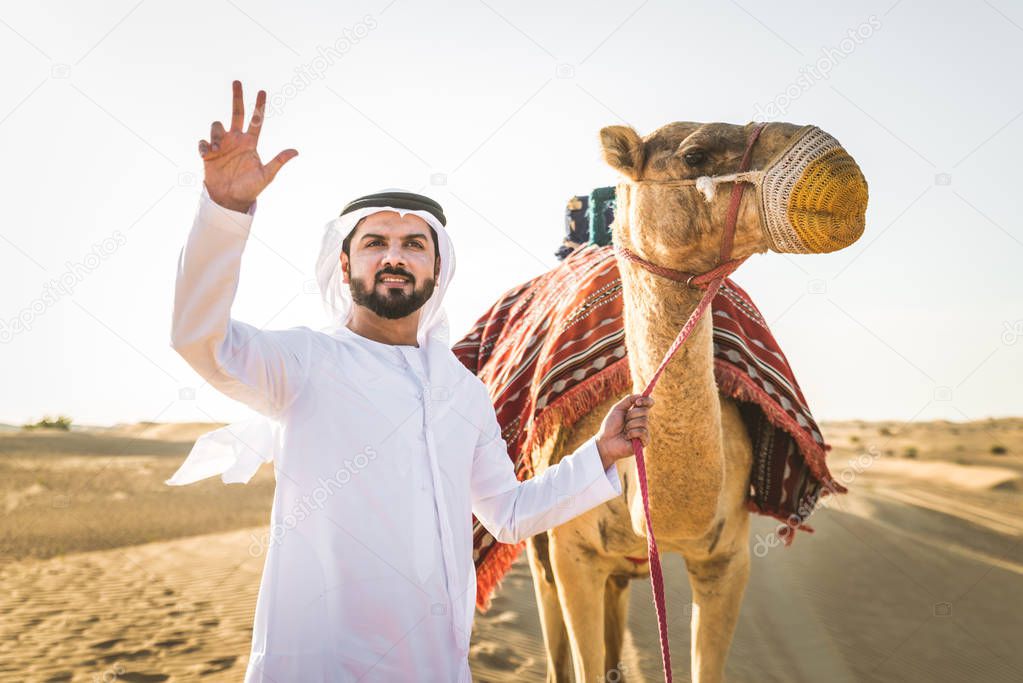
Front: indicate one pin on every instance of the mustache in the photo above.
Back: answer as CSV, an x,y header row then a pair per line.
x,y
390,270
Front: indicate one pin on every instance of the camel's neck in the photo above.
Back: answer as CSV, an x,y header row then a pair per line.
x,y
685,462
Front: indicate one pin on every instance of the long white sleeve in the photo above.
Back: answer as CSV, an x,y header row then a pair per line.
x,y
513,511
263,369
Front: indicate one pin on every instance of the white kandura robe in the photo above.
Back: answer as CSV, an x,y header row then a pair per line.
x,y
383,454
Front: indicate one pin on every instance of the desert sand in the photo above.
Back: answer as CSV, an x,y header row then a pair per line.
x,y
916,575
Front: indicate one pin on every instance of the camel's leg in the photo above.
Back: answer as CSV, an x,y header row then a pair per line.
x,y
616,615
718,580
581,584
552,624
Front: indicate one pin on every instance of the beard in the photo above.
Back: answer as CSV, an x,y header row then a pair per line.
x,y
395,303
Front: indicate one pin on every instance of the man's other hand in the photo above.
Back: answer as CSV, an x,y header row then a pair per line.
x,y
627,420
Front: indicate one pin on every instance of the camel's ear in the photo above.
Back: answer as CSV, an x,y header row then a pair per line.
x,y
623,150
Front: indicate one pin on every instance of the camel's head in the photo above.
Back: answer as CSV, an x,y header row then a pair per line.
x,y
809,196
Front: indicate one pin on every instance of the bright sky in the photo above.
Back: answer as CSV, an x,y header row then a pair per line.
x,y
493,108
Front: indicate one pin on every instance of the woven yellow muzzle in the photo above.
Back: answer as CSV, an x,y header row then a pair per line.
x,y
813,196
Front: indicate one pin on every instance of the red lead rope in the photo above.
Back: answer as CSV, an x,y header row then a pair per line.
x,y
712,280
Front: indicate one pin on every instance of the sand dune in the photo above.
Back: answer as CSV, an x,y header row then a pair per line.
x,y
972,477
152,612
162,431
108,575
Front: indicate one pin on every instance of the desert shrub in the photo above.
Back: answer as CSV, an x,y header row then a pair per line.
x,y
61,422
999,449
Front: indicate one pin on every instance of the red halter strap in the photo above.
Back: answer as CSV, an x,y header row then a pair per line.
x,y
711,281
697,280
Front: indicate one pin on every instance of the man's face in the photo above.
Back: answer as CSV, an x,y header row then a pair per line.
x,y
392,265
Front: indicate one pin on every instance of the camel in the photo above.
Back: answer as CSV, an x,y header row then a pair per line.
x,y
699,460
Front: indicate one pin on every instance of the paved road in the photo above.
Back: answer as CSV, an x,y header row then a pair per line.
x,y
887,589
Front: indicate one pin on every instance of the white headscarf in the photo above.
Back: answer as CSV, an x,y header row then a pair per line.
x,y
236,451
337,296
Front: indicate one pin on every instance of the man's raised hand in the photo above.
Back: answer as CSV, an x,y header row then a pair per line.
x,y
234,174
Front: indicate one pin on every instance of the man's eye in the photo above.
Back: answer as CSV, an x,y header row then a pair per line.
x,y
417,245
373,243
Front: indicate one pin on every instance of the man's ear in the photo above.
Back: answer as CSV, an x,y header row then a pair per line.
x,y
345,265
623,150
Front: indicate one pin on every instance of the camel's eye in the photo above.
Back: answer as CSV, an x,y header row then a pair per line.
x,y
695,157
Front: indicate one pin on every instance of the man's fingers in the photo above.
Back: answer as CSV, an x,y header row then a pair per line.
x,y
637,412
204,148
275,164
638,401
237,106
636,408
640,433
626,403
217,133
635,423
256,123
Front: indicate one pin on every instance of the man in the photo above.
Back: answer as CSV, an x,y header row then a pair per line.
x,y
384,444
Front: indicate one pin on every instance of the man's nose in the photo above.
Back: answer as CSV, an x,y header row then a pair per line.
x,y
394,256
